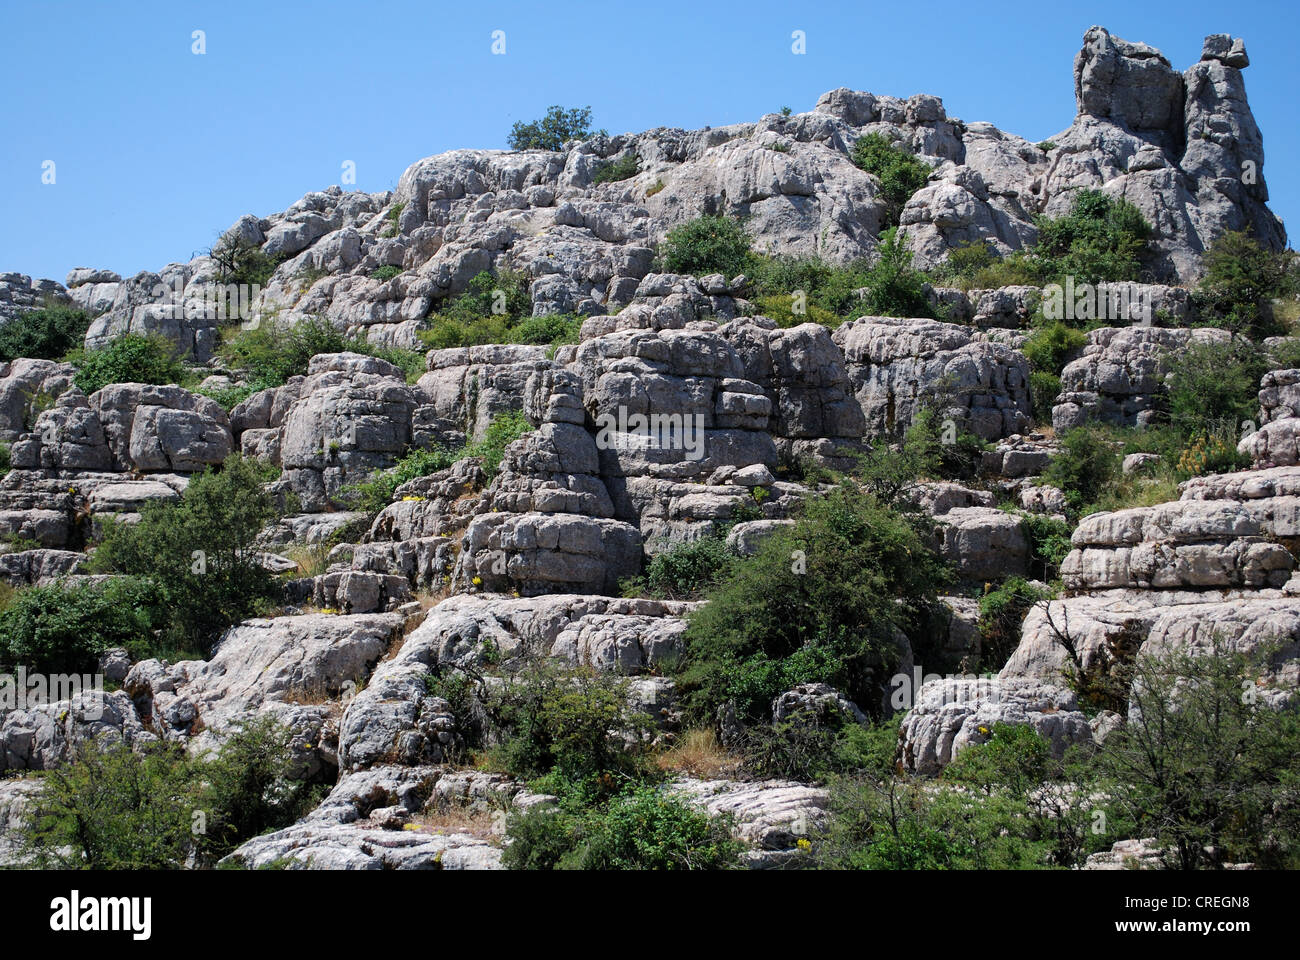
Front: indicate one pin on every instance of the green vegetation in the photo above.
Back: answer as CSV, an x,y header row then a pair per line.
x,y
271,353
1204,764
1101,239
1085,466
115,808
707,244
199,552
241,262
624,168
553,131
130,358
63,628
894,287
386,272
496,308
1215,384
45,334
377,491
1001,611
899,172
644,828
686,571
820,602
1241,281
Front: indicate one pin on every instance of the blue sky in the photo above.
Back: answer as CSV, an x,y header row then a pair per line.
x,y
157,150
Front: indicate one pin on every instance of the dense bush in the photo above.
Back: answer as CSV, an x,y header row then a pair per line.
x,y
64,628
624,168
688,570
1002,609
553,131
130,358
706,245
894,287
271,353
1085,465
644,828
900,173
1050,346
1204,765
200,551
1214,387
241,262
115,808
833,289
1241,279
573,727
377,491
45,334
1101,239
820,602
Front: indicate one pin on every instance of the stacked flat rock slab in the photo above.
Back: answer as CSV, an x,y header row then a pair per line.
x,y
1120,378
1275,443
952,714
897,367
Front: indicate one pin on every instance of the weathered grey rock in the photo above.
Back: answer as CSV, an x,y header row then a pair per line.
x,y
770,814
897,367
1120,377
950,715
817,703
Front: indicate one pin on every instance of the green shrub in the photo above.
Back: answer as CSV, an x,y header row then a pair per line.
x,y
553,131
831,291
445,333
1085,465
386,272
1204,764
641,829
706,245
1049,542
820,602
1044,388
1002,610
241,262
252,786
200,551
906,825
1214,387
1014,758
647,829
272,353
689,569
1241,279
130,358
1051,346
116,809
1102,239
155,807
900,173
63,628
624,168
45,334
894,287
554,328
504,294
575,727
377,491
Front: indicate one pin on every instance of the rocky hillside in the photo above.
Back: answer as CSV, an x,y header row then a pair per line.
x,y
684,560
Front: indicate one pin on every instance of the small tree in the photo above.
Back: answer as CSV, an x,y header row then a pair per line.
x,y
131,358
707,245
552,131
45,334
894,287
200,551
1203,763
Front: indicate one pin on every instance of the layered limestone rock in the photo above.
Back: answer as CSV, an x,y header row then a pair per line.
x,y
1184,148
950,715
898,367
1120,378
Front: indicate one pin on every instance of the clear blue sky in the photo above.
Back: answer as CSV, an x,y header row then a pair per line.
x,y
157,150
